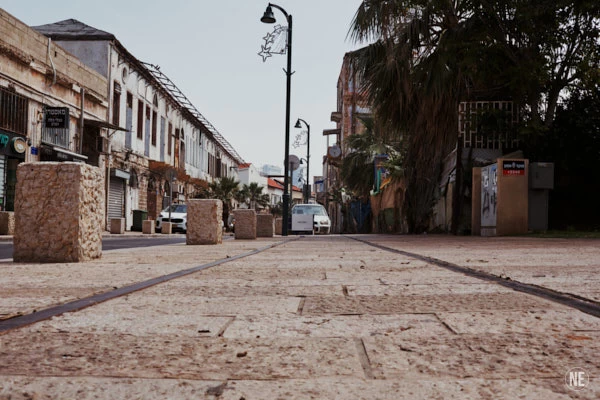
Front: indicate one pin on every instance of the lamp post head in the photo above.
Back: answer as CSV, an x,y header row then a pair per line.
x,y
268,17
298,124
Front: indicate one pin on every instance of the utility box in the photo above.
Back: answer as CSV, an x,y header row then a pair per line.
x,y
139,216
541,181
504,197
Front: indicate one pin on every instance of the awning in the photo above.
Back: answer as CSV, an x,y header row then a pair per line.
x,y
70,153
327,132
102,124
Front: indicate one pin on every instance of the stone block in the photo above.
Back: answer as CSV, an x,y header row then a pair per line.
x,y
7,223
245,224
204,222
117,226
278,226
264,225
59,212
166,228
148,226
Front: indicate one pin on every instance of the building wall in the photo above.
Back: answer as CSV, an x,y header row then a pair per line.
x,y
92,53
29,47
250,174
37,69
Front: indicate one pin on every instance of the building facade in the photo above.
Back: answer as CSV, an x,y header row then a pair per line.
x,y
53,107
352,104
162,150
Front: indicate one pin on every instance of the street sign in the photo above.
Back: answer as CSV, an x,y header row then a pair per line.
x,y
294,162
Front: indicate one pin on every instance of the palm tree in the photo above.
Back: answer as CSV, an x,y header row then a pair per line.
x,y
428,55
415,77
255,196
224,189
358,167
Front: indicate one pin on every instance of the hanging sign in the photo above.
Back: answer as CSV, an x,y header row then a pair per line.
x,y
56,117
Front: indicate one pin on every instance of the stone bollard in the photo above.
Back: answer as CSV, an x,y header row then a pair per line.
x,y
7,223
148,226
166,228
59,212
204,222
245,224
264,225
117,226
278,226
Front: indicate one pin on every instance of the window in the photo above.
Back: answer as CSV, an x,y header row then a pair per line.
x,y
154,123
170,140
116,105
140,120
182,156
13,111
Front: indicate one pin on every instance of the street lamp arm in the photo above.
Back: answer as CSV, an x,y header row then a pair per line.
x,y
305,123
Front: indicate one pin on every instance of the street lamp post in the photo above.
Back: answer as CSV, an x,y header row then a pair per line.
x,y
269,18
307,194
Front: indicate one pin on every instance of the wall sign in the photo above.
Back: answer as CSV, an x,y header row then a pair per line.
x,y
513,167
12,145
56,117
18,145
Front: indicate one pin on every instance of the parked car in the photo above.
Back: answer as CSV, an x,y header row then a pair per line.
x,y
321,221
178,218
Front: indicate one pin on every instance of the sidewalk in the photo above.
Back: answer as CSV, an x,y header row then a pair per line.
x,y
318,317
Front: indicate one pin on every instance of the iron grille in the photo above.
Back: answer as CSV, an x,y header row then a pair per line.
x,y
13,111
488,124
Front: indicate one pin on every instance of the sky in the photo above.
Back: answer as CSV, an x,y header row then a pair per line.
x,y
209,49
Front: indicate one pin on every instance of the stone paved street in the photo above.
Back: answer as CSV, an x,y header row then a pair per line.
x,y
325,317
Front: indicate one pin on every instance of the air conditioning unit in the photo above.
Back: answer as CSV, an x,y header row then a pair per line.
x,y
102,144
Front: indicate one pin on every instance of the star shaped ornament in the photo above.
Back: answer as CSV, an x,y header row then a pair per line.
x,y
265,53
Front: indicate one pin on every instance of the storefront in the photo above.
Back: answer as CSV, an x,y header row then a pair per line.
x,y
12,152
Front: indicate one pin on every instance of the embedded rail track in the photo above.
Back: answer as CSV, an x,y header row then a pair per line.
x,y
76,305
582,304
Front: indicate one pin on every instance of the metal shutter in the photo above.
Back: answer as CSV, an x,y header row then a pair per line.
x,y
116,198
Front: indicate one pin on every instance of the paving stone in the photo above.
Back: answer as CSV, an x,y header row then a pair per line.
x,y
540,321
422,304
289,389
493,356
335,326
433,288
182,357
